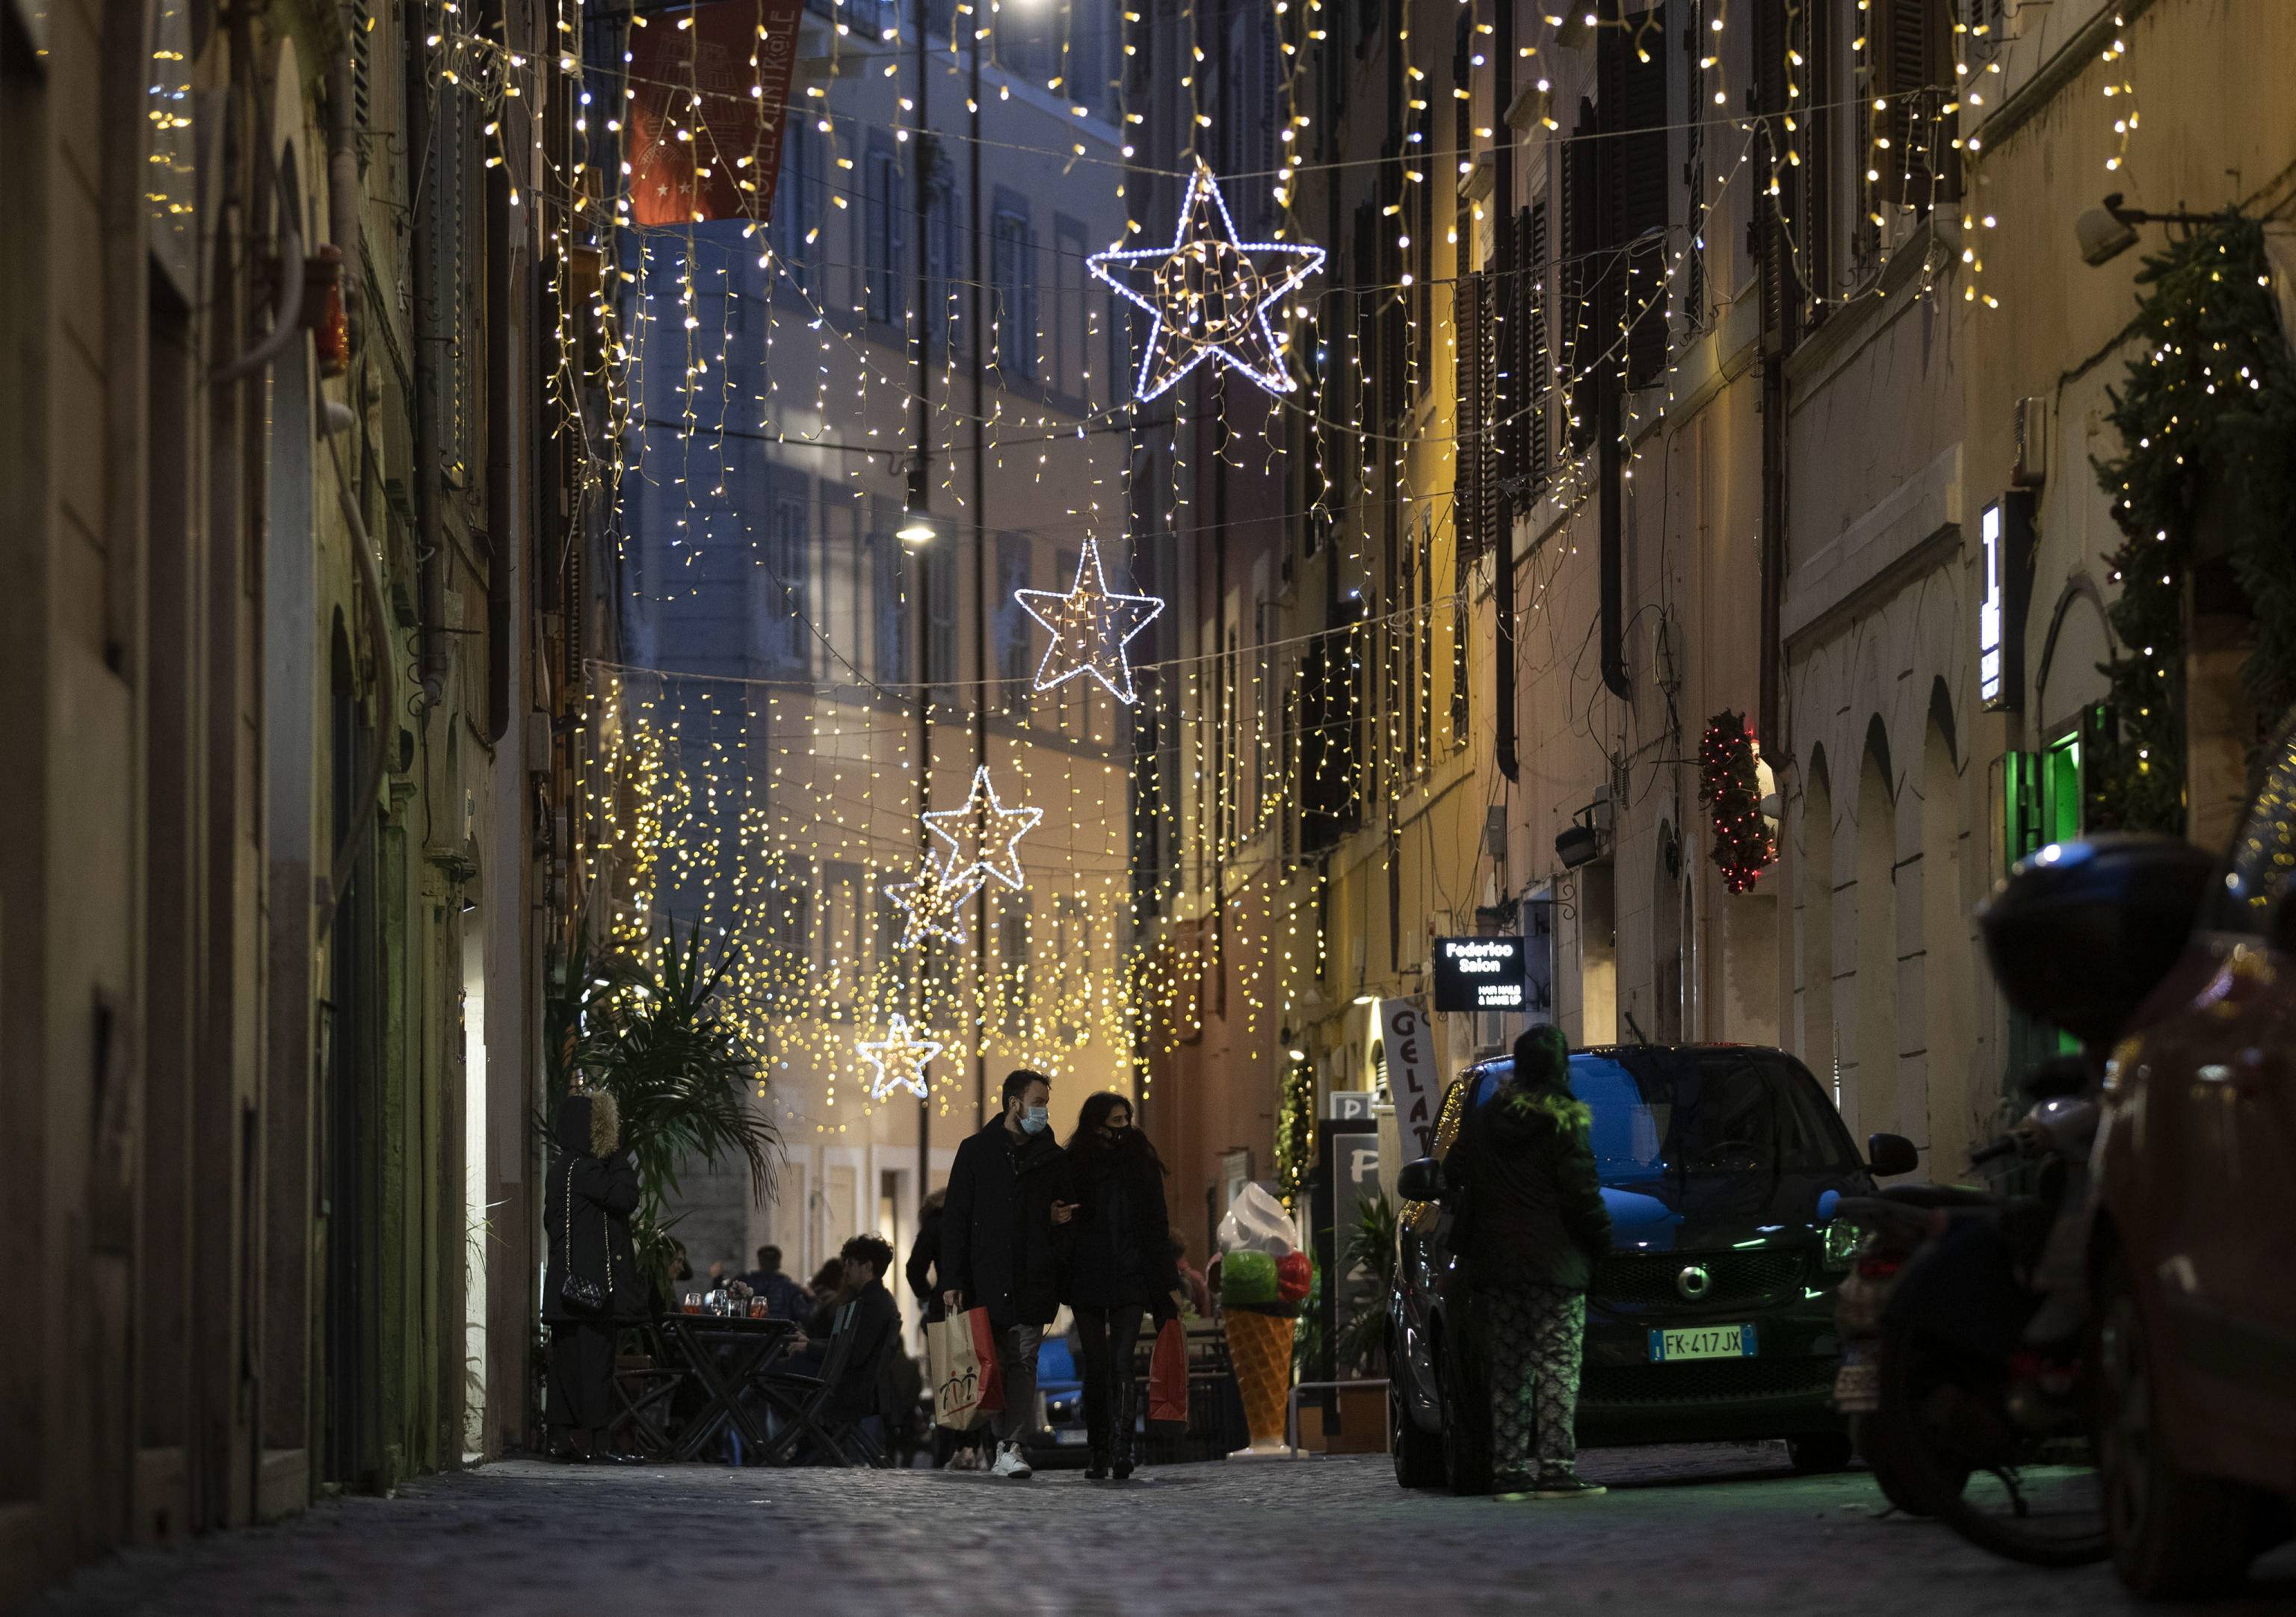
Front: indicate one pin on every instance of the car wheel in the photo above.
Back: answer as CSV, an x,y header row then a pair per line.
x,y
1418,1455
2172,1533
1818,1452
1467,1426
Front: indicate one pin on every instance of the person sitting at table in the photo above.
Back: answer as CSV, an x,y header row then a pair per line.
x,y
785,1299
865,1391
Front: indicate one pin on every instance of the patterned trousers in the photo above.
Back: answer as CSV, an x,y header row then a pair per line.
x,y
1533,1333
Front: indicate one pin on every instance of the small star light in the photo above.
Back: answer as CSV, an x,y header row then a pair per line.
x,y
1209,293
997,852
932,900
899,1060
1091,626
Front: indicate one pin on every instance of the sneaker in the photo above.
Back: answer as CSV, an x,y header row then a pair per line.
x,y
1511,1483
1011,1461
1564,1485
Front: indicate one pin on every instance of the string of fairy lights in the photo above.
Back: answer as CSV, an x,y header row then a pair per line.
x,y
748,386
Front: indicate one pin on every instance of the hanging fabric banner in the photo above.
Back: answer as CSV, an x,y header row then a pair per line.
x,y
710,101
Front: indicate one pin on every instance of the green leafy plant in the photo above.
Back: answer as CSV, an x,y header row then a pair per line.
x,y
1362,1342
2207,420
650,1029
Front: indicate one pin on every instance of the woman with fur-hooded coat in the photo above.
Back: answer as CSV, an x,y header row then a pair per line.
x,y
592,1191
1531,1224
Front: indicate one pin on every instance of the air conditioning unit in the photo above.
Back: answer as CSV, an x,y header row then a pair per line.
x,y
2030,427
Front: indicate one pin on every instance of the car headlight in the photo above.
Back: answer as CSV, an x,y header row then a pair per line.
x,y
1840,1243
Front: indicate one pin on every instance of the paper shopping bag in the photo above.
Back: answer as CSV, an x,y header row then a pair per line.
x,y
1168,1375
967,1387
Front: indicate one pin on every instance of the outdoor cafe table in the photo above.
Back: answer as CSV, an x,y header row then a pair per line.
x,y
724,1352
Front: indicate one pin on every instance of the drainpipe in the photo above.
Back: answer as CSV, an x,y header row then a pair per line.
x,y
342,169
980,561
430,580
1502,244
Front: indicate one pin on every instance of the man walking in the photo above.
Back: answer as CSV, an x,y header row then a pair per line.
x,y
1000,1241
1531,1225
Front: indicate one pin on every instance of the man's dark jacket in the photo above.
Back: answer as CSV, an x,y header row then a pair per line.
x,y
865,1388
1531,1206
998,1243
924,1257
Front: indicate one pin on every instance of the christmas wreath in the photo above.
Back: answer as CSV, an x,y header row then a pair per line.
x,y
1733,793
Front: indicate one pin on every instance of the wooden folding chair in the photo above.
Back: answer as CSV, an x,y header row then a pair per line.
x,y
801,1404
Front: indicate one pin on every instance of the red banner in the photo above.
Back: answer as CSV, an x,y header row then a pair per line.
x,y
711,97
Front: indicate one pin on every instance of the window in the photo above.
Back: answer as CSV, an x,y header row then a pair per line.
x,y
940,222
1120,364
886,202
1462,671
890,626
782,637
1012,961
1074,714
838,943
798,200
940,586
1072,313
1012,281
789,918
1014,639
1912,53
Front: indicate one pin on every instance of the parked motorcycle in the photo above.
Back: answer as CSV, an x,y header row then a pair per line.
x,y
1969,1345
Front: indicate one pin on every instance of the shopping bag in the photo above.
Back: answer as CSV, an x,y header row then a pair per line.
x,y
968,1387
1168,1375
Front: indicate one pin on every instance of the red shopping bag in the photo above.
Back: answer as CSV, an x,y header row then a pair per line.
x,y
968,1385
1168,1375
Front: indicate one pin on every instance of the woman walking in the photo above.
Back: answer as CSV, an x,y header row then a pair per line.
x,y
1122,1270
593,1281
1531,1225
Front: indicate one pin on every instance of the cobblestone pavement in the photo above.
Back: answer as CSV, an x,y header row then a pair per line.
x,y
1685,1532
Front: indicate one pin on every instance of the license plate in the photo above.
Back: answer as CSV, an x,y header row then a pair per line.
x,y
1703,1341
1071,1437
1858,1388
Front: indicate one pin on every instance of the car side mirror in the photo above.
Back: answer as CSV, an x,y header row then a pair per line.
x,y
1420,1180
1891,1155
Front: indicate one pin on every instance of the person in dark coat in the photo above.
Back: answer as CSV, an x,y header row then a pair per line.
x,y
1121,1270
1531,1225
592,1280
1001,1242
864,1392
785,1299
956,1451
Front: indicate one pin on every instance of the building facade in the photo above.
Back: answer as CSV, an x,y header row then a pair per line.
x,y
291,633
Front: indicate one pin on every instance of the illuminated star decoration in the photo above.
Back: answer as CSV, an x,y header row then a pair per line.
x,y
1209,294
996,856
932,900
899,1059
1091,626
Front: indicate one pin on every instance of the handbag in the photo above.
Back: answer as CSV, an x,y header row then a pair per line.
x,y
584,1297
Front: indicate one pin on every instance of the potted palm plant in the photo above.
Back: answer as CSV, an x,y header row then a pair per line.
x,y
650,1029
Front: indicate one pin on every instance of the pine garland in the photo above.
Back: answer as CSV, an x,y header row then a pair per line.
x,y
1295,1131
2208,413
1732,791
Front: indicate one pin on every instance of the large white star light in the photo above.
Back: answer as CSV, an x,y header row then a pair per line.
x,y
984,834
1208,294
899,1058
1091,626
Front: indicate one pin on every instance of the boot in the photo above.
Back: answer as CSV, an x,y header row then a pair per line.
x,y
1096,1467
1121,1440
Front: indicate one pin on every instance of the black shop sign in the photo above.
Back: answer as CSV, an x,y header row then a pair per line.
x,y
1479,974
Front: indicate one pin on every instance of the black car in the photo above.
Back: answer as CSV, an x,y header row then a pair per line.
x,y
1712,1318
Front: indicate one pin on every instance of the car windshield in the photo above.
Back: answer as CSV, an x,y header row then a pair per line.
x,y
1672,1113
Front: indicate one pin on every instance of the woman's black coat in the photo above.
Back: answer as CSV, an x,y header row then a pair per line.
x,y
925,1257
1122,1255
604,1194
1531,1208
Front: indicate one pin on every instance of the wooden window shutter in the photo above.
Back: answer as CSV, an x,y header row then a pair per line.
x,y
1534,358
1913,62
1473,500
1633,185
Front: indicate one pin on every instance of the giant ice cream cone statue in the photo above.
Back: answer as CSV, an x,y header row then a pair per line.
x,y
1264,1278
1260,1347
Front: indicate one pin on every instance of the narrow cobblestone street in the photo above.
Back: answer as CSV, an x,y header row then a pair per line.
x,y
1701,1531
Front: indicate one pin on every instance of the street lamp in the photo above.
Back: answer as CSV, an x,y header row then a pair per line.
x,y
916,528
2109,229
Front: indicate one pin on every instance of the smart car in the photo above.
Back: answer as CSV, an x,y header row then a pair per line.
x,y
1712,1318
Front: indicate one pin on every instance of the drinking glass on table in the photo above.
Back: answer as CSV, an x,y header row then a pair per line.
x,y
693,1303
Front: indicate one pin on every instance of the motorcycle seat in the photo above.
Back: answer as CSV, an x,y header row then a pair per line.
x,y
1938,1196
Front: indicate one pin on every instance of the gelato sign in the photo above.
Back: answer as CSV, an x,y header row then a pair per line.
x,y
1409,1050
1480,974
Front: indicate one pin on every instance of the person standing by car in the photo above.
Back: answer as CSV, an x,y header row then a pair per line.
x,y
1532,1224
592,1280
1001,1239
1122,1270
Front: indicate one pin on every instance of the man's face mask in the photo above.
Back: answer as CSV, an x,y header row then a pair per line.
x,y
1033,1119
